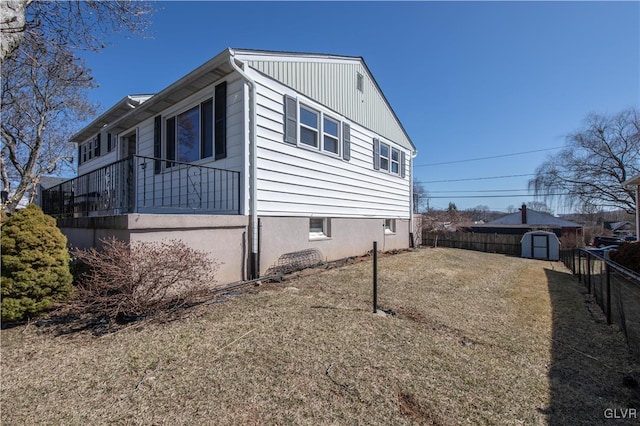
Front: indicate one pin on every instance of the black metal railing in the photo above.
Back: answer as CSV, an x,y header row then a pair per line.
x,y
615,289
137,185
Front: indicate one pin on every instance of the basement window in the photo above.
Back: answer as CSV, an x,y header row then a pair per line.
x,y
319,228
389,226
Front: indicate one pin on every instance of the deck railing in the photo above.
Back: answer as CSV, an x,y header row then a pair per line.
x,y
140,184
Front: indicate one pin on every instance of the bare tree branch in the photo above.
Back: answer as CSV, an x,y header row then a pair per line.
x,y
597,159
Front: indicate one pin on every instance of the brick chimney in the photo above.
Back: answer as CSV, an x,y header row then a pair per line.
x,y
523,213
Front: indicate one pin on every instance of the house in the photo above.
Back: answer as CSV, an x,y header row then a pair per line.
x,y
45,182
253,157
527,220
619,228
634,184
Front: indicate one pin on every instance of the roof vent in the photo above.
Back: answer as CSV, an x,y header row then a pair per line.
x,y
360,82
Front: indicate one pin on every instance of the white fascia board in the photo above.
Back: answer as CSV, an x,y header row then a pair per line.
x,y
122,107
252,55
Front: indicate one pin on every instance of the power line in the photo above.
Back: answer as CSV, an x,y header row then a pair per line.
x,y
477,178
481,190
486,196
487,158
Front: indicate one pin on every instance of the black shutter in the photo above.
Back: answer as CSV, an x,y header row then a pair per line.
x,y
346,141
403,160
96,148
79,154
206,129
220,119
170,141
376,154
109,143
157,144
290,120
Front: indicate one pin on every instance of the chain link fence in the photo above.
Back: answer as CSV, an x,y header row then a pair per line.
x,y
615,289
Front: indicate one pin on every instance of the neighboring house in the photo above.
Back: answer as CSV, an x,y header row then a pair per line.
x,y
527,220
251,156
44,183
620,228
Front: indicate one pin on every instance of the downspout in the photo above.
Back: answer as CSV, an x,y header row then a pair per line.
x,y
254,267
414,154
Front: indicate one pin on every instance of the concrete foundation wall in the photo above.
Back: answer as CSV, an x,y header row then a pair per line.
x,y
225,238
348,237
222,237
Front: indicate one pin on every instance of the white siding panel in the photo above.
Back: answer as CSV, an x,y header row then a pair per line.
x,y
295,181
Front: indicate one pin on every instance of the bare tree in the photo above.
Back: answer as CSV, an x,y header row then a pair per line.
x,y
72,24
44,83
590,170
43,94
420,198
539,206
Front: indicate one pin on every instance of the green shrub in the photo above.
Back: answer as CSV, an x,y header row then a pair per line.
x,y
35,264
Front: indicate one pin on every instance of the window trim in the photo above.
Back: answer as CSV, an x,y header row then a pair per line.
x,y
326,229
337,138
212,135
302,125
390,226
293,128
378,158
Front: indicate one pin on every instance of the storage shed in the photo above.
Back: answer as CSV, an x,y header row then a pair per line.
x,y
540,245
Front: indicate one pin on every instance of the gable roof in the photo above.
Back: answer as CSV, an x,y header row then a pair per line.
x,y
322,77
534,218
332,80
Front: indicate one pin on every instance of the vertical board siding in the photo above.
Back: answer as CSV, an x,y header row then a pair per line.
x,y
294,181
335,85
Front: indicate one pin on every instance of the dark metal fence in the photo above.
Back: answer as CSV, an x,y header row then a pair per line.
x,y
139,185
615,288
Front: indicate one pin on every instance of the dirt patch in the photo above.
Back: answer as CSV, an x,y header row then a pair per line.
x,y
410,407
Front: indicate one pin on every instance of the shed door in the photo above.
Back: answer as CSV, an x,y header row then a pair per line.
x,y
540,246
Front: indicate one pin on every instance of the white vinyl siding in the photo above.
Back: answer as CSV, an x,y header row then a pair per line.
x,y
302,182
235,149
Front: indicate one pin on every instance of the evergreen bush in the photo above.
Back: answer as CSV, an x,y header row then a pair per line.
x,y
35,264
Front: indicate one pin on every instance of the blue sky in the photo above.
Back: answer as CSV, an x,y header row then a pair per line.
x,y
466,79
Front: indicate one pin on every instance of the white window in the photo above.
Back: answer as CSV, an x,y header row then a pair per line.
x,y
395,161
384,157
389,226
309,126
331,141
388,158
319,227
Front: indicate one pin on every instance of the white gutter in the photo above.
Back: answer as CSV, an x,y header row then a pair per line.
x,y
253,181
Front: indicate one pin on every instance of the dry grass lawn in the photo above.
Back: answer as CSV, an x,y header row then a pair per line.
x,y
477,339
